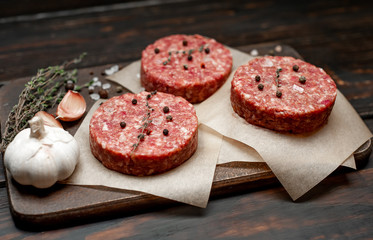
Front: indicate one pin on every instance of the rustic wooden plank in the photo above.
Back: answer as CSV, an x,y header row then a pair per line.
x,y
332,34
61,204
11,8
338,208
325,34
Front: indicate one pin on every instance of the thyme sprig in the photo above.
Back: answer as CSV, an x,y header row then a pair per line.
x,y
278,84
144,122
42,92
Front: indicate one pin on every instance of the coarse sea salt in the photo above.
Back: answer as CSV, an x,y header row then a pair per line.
x,y
278,48
95,96
254,52
96,84
106,86
112,70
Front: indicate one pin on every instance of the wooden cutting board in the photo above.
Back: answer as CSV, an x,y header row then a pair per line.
x,y
67,204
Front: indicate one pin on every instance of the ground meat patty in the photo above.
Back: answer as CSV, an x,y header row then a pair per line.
x,y
144,134
190,66
283,94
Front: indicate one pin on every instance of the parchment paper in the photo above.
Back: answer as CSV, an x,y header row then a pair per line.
x,y
234,151
235,147
298,161
189,183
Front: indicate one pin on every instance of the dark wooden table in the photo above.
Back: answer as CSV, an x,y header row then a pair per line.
x,y
335,35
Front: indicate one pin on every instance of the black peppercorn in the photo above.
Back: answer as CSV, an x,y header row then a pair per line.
x,y
295,68
118,89
166,109
185,67
103,93
69,86
278,93
156,50
203,65
123,124
148,96
169,118
302,79
134,101
185,43
190,57
165,132
257,78
260,86
207,50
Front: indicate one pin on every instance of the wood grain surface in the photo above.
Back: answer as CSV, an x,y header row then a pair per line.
x,y
335,35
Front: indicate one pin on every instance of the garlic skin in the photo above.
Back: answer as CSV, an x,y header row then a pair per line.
x,y
72,107
41,155
49,119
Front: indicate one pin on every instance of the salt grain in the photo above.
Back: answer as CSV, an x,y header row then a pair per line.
x,y
112,70
254,52
106,86
95,79
95,96
96,84
278,48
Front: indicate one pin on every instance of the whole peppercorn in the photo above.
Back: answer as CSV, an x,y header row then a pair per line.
x,y
134,101
302,79
260,86
278,93
103,93
295,68
91,89
190,57
123,124
166,109
165,132
118,89
156,50
257,78
207,50
169,118
185,43
69,85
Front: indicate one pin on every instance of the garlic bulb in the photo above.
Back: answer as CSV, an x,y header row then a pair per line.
x,y
41,155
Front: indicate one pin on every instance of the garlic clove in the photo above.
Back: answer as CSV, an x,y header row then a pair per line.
x,y
49,119
72,107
